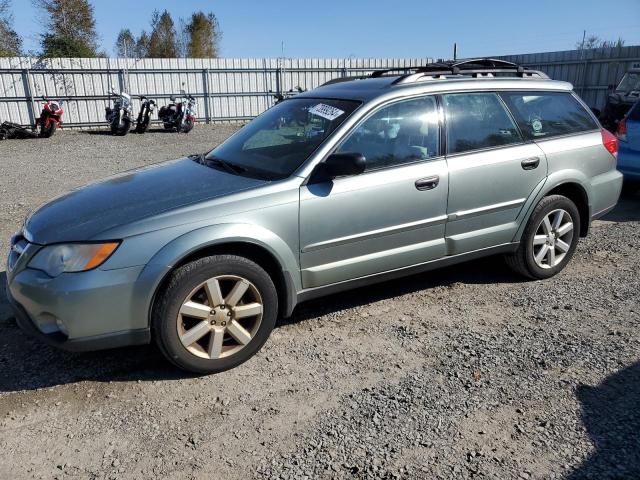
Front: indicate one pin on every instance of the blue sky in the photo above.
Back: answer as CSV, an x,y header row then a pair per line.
x,y
374,28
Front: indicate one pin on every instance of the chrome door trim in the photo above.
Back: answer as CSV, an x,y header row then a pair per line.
x,y
496,207
374,233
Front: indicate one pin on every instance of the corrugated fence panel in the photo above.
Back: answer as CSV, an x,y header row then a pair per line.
x,y
592,72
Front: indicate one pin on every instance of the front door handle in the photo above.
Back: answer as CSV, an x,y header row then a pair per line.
x,y
530,163
428,183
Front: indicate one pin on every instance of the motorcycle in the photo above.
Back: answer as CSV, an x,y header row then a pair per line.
x,y
50,118
119,117
281,97
179,115
147,106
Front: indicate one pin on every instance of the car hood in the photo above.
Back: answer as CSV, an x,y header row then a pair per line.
x,y
129,197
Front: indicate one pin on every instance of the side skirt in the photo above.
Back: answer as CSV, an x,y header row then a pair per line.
x,y
311,293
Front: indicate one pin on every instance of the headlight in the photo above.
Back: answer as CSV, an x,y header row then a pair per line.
x,y
72,257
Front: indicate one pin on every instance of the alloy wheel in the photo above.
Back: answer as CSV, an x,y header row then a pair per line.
x,y
553,238
220,317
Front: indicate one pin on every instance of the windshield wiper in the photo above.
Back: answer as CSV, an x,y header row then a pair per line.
x,y
229,167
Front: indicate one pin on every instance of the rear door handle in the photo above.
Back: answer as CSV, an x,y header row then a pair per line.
x,y
428,183
530,163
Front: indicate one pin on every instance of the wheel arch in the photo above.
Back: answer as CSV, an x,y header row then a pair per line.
x,y
263,248
575,192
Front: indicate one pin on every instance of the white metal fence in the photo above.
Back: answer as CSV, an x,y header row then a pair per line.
x,y
225,89
240,89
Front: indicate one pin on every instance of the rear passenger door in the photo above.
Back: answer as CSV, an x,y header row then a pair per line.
x,y
492,171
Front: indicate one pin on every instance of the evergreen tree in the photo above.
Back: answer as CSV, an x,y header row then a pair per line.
x,y
70,28
163,42
142,45
10,41
125,44
203,33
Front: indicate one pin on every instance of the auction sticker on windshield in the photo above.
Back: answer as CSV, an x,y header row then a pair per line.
x,y
326,111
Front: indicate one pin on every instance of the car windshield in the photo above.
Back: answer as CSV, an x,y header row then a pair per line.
x,y
629,83
277,142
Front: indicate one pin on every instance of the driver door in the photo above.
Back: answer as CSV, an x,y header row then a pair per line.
x,y
391,216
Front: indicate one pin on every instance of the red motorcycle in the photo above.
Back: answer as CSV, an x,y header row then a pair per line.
x,y
50,117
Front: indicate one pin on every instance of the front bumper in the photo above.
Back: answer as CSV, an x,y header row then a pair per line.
x,y
79,311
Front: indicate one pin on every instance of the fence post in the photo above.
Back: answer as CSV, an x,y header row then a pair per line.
x,y
279,81
205,84
121,80
26,84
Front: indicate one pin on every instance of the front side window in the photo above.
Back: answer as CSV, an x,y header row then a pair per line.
x,y
548,114
400,133
277,143
476,121
629,83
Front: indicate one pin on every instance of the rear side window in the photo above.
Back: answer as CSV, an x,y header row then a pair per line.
x,y
548,114
477,120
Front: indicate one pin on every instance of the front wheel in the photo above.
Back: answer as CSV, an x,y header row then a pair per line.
x,y
48,131
215,313
187,126
143,126
121,128
549,239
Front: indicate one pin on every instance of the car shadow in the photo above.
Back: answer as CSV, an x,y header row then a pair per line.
x,y
611,416
107,133
482,271
627,209
29,364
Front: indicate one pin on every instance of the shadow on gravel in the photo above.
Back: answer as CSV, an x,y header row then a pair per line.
x,y
611,415
108,133
484,271
28,364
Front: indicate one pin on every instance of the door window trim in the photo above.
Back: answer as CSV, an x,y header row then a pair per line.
x,y
376,109
522,141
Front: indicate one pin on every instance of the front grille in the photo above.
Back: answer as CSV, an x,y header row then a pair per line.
x,y
18,245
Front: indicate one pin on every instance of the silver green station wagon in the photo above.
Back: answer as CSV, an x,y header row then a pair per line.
x,y
357,181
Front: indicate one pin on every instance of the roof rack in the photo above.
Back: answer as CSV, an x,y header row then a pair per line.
x,y
475,67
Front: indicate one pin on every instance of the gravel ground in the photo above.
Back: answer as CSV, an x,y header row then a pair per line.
x,y
466,372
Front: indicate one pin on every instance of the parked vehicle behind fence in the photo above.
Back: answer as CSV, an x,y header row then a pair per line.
x,y
147,106
119,116
179,115
355,182
628,133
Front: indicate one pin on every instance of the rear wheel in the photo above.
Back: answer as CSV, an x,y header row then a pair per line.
x,y
549,239
215,313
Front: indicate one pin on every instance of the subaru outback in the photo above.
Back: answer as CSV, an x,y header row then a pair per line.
x,y
355,182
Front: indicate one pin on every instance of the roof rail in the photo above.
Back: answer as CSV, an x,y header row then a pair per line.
x,y
475,67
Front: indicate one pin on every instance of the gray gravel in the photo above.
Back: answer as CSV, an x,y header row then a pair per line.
x,y
466,372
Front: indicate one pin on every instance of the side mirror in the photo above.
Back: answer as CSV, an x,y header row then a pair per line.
x,y
347,163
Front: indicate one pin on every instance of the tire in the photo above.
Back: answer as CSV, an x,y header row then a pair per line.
x,y
143,126
523,260
122,128
173,326
187,126
48,132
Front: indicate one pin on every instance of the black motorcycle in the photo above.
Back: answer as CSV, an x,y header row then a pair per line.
x,y
179,115
119,117
147,106
280,97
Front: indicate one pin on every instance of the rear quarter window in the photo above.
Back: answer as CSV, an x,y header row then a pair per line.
x,y
548,114
634,113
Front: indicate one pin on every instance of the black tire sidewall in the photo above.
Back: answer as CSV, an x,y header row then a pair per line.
x,y
185,280
547,205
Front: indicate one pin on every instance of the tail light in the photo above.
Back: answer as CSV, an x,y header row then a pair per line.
x,y
621,131
610,142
